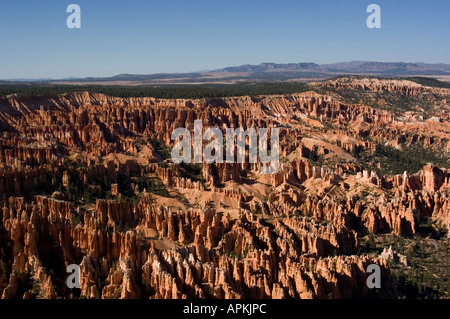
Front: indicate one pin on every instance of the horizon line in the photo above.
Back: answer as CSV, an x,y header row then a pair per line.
x,y
68,78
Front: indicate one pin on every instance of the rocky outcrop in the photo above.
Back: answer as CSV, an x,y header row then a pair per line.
x,y
403,87
225,259
86,179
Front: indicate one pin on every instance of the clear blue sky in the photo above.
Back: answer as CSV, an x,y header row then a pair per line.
x,y
142,37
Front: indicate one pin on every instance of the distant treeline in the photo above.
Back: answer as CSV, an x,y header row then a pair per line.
x,y
429,82
162,92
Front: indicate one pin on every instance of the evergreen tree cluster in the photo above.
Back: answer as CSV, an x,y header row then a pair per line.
x,y
162,92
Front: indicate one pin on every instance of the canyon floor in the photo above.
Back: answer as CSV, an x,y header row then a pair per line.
x,y
364,178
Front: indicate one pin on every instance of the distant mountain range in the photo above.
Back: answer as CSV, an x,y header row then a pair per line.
x,y
268,72
379,68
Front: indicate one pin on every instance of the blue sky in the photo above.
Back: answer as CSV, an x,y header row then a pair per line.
x,y
143,37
